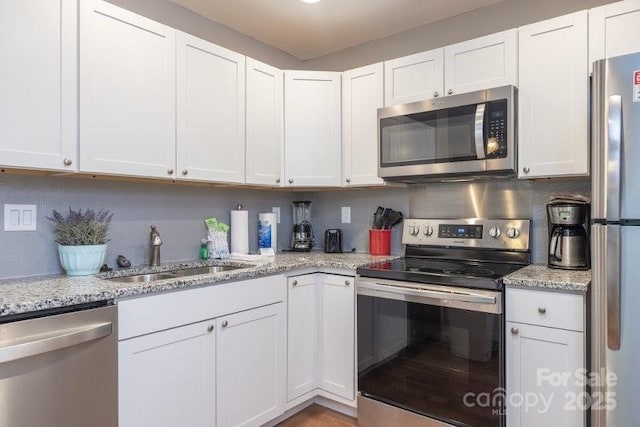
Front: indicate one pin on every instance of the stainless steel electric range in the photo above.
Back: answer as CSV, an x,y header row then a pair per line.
x,y
431,325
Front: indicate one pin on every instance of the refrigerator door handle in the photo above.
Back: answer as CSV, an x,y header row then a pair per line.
x,y
613,264
613,147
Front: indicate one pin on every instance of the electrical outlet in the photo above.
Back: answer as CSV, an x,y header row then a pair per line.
x,y
346,215
276,210
20,217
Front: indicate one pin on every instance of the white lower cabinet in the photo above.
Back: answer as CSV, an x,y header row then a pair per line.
x,y
545,347
167,378
321,340
227,370
250,366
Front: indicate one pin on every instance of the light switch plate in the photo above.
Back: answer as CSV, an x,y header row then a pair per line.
x,y
276,210
346,215
20,217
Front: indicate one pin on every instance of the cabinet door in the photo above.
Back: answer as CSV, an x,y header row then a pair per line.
x,y
250,366
211,100
481,63
414,77
536,359
38,105
302,345
553,134
127,93
265,97
167,378
312,128
362,95
337,337
614,30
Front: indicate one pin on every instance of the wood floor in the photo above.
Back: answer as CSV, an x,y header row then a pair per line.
x,y
318,416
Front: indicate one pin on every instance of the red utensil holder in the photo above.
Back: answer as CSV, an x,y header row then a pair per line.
x,y
380,242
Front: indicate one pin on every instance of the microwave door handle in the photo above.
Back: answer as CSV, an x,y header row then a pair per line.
x,y
479,131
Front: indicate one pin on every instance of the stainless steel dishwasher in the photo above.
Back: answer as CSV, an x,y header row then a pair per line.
x,y
60,369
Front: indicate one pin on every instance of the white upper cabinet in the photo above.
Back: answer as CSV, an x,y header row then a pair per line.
x,y
38,83
362,95
265,97
614,29
481,63
211,102
414,77
312,128
127,93
553,123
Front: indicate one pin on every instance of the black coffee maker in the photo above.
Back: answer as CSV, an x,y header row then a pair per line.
x,y
568,224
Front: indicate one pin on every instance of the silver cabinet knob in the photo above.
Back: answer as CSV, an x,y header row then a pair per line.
x,y
348,180
347,283
515,331
210,328
184,171
526,169
290,181
436,94
450,91
295,283
225,323
170,171
542,310
67,162
277,180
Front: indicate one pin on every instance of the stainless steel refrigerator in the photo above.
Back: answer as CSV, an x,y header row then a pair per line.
x,y
615,297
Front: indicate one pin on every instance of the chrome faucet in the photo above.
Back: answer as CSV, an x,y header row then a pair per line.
x,y
155,242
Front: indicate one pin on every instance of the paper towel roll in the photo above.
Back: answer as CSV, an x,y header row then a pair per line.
x,y
240,231
268,230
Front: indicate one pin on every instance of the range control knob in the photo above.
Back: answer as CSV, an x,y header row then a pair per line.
x,y
513,233
414,230
495,232
428,231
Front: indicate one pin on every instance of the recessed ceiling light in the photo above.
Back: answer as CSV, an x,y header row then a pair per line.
x,y
310,1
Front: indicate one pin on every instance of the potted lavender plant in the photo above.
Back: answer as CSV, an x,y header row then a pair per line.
x,y
82,239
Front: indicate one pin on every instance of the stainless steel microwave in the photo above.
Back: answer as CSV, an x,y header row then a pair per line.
x,y
460,136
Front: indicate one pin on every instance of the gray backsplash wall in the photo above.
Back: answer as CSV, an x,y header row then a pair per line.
x,y
326,213
177,210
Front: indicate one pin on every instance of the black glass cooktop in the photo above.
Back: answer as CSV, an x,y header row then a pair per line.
x,y
472,274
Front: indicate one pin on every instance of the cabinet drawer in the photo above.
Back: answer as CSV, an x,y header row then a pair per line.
x,y
545,308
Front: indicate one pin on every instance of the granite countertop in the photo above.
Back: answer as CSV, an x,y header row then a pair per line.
x,y
542,277
29,294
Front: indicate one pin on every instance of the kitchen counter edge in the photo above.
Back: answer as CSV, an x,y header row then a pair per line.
x,y
540,276
31,294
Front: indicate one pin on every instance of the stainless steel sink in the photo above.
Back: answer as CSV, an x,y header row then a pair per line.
x,y
141,278
173,274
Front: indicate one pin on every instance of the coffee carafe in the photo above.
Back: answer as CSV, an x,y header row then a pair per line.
x,y
302,238
569,235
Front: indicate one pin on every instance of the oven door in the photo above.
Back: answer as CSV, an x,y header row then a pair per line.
x,y
435,351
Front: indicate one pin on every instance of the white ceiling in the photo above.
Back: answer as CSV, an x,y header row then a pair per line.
x,y
311,30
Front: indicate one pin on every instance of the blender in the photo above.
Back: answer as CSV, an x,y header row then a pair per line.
x,y
302,239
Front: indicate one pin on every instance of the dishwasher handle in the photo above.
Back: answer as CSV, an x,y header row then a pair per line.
x,y
20,349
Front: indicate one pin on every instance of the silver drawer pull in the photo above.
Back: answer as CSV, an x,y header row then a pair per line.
x,y
542,310
515,331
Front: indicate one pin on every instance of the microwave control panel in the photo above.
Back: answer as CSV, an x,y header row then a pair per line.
x,y
497,130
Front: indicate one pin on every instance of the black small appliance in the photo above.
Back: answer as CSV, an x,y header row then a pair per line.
x,y
333,241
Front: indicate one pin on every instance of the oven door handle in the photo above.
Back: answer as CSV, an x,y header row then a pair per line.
x,y
426,292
